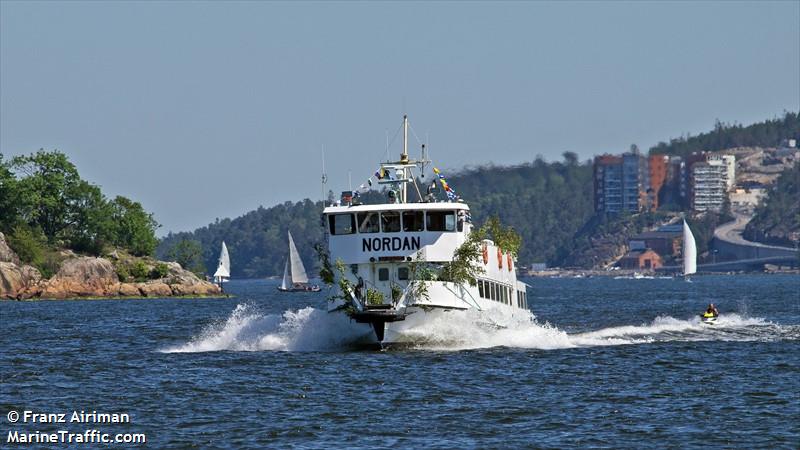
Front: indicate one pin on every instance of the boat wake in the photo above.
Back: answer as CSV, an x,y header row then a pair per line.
x,y
311,329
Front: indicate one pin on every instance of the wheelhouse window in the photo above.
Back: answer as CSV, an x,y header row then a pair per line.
x,y
480,288
413,221
390,221
342,224
383,274
440,221
368,222
402,273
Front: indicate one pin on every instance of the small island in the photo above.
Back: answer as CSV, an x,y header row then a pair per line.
x,y
60,238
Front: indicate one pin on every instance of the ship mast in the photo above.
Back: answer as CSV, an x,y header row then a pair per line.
x,y
404,158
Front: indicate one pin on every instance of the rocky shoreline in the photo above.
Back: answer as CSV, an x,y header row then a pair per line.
x,y
93,277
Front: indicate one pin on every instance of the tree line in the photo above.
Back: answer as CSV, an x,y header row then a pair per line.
x,y
549,204
544,202
45,205
769,133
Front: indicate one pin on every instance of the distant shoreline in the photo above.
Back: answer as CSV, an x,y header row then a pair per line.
x,y
579,273
120,297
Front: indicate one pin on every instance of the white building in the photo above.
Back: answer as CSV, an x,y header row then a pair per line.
x,y
709,185
729,162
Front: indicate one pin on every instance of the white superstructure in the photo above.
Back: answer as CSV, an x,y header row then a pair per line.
x,y
382,247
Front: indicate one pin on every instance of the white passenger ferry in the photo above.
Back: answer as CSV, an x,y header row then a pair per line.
x,y
381,245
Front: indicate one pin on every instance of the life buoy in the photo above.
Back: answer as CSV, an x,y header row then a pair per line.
x,y
485,254
499,258
510,261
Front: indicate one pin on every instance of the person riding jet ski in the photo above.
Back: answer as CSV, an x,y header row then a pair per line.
x,y
711,313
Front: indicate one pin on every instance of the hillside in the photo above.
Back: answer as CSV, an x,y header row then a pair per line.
x,y
545,202
549,204
257,240
768,133
777,220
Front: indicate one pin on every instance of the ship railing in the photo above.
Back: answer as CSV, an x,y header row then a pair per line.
x,y
464,290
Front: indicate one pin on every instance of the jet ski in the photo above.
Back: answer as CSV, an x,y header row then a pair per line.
x,y
708,318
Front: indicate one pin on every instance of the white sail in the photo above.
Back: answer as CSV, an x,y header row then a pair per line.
x,y
287,279
224,264
298,272
689,251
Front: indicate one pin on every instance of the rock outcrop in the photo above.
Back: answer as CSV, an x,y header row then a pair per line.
x,y
83,276
183,282
6,254
16,280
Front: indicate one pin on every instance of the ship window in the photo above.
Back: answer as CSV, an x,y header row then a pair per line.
x,y
492,291
441,221
383,274
402,273
480,288
390,221
368,222
413,221
342,224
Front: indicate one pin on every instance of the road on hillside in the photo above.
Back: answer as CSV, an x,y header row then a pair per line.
x,y
732,232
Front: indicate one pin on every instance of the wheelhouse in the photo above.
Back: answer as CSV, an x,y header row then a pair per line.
x,y
367,233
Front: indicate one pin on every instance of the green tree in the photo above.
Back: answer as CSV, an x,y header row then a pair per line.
x,y
133,228
29,244
45,192
49,187
189,254
91,227
9,197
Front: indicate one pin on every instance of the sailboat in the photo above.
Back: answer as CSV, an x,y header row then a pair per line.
x,y
223,266
689,252
294,273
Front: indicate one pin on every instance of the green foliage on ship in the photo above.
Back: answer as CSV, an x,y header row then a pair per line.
x,y
325,268
374,297
46,205
504,237
465,266
346,288
768,133
777,220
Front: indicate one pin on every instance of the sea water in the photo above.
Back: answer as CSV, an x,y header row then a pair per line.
x,y
602,362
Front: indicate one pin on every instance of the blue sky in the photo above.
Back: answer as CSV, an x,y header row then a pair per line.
x,y
205,110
